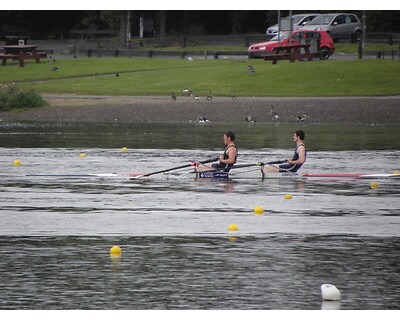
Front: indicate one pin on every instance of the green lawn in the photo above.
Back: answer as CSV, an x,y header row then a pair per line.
x,y
143,76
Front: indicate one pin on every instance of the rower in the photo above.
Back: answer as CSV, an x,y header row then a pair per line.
x,y
299,157
227,159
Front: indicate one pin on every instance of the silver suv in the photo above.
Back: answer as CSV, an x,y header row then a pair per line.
x,y
338,25
299,20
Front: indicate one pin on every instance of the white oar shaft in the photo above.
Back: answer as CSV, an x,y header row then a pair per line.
x,y
174,168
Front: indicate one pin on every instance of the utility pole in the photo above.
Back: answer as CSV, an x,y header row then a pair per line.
x,y
128,29
279,27
290,27
361,42
364,33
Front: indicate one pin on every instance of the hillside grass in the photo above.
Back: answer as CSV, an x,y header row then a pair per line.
x,y
143,76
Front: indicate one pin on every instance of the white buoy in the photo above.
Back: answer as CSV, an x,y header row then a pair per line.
x,y
330,292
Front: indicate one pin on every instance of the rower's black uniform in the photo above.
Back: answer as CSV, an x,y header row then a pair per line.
x,y
293,167
225,167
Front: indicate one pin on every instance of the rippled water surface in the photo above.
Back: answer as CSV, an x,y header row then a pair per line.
x,y
177,253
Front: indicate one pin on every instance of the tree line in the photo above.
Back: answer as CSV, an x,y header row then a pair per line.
x,y
51,24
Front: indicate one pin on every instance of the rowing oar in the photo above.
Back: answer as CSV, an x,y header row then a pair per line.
x,y
176,168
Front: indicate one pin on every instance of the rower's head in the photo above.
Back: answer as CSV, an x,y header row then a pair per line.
x,y
300,134
229,135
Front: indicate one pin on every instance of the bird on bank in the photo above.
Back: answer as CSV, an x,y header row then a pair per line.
x,y
54,69
251,70
194,97
187,91
173,96
251,119
301,118
274,114
209,97
202,120
117,74
233,96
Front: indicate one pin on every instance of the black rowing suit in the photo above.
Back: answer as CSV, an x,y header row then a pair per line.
x,y
222,165
293,167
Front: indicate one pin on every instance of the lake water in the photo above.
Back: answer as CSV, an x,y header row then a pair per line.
x,y
177,252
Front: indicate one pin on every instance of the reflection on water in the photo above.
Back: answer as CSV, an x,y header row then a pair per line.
x,y
193,135
177,253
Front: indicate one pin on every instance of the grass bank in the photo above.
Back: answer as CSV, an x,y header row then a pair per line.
x,y
97,76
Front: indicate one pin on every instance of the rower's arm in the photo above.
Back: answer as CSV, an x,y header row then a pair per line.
x,y
232,153
302,156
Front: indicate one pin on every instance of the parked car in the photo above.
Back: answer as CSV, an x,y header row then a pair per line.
x,y
338,25
299,20
326,44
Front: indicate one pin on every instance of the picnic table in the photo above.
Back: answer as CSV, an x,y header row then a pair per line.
x,y
291,53
21,53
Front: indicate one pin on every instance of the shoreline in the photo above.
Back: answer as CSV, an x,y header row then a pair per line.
x,y
134,109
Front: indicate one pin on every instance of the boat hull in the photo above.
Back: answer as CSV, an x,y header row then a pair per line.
x,y
253,174
259,174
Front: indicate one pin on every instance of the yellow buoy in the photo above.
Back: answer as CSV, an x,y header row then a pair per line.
x,y
82,155
233,227
373,185
17,163
124,149
288,196
115,251
258,210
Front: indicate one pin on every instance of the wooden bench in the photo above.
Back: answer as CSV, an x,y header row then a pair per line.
x,y
276,56
21,53
291,53
5,56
